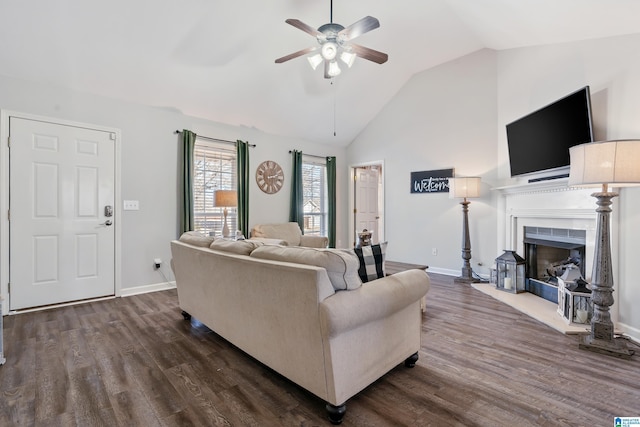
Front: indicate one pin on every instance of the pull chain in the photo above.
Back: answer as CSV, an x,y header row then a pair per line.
x,y
334,109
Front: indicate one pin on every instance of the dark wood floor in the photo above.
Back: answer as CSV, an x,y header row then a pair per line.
x,y
135,362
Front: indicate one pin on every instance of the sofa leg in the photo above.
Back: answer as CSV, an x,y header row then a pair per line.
x,y
186,315
410,361
336,413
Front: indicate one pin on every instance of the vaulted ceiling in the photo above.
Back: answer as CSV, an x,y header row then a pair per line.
x,y
215,59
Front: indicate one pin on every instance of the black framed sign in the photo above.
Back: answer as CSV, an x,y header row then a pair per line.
x,y
435,181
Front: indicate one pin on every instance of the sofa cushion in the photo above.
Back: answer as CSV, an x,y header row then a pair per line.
x,y
240,247
341,265
268,241
371,260
288,231
196,238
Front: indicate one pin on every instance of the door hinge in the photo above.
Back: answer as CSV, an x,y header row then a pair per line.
x,y
8,214
8,141
355,211
112,136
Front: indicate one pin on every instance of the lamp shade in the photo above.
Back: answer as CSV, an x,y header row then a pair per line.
x,y
464,187
315,60
333,69
605,162
225,198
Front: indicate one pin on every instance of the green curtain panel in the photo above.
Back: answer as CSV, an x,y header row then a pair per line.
x,y
296,212
331,193
186,176
242,158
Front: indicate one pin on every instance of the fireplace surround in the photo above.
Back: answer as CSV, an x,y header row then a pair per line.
x,y
551,205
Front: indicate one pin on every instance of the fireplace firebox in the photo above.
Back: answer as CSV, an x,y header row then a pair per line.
x,y
553,253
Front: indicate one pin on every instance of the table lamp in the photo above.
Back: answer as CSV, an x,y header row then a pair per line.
x,y
225,199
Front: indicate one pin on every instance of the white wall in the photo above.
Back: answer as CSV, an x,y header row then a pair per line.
x,y
530,78
442,118
149,152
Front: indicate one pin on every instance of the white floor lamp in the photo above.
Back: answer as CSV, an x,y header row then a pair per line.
x,y
225,199
604,163
465,187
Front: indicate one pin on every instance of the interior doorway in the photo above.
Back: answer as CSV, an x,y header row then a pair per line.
x,y
367,202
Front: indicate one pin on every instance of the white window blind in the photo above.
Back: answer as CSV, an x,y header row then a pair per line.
x,y
214,168
314,188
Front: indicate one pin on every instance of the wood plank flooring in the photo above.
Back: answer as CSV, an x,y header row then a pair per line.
x,y
135,362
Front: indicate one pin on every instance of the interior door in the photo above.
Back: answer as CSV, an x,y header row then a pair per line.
x,y
61,228
366,201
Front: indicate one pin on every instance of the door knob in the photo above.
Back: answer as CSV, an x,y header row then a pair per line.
x,y
107,223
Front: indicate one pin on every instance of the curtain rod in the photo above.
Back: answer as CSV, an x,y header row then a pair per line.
x,y
216,139
311,155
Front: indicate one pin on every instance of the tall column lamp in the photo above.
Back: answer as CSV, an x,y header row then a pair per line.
x,y
465,188
225,199
604,163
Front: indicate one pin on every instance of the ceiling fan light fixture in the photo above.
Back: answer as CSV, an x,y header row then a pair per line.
x,y
329,51
334,69
348,58
315,60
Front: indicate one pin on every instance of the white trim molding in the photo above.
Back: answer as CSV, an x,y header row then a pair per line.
x,y
144,289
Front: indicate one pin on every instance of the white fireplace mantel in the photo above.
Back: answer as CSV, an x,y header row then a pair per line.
x,y
560,184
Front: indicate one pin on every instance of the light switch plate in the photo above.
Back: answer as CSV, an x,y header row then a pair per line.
x,y
130,205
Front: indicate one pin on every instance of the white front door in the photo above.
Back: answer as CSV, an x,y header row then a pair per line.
x,y
366,201
62,241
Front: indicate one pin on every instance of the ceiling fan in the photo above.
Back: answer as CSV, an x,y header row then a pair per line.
x,y
333,43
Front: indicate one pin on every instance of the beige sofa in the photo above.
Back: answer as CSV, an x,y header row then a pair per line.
x,y
286,233
292,317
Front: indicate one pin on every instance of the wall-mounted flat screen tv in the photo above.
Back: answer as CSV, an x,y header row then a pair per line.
x,y
540,141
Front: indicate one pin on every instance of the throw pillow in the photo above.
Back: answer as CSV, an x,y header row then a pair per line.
x,y
196,238
341,265
240,247
371,261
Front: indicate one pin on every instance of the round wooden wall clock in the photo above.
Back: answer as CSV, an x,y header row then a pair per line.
x,y
269,177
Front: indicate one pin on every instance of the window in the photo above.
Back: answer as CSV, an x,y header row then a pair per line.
x,y
214,168
314,188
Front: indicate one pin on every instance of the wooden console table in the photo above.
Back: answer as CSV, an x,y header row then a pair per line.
x,y
393,267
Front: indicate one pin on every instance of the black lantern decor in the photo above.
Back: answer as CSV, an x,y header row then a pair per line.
x,y
510,270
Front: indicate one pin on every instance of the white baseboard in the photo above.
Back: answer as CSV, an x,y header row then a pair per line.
x,y
127,292
629,331
445,271
449,272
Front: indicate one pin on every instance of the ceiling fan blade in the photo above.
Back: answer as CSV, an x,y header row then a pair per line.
x,y
304,27
369,54
295,54
358,28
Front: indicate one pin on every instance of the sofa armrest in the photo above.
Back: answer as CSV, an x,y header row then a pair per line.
x,y
346,310
314,241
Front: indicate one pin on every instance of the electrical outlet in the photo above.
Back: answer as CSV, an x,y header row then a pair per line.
x,y
157,262
434,251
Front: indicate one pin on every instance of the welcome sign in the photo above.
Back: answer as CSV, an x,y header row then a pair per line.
x,y
435,181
